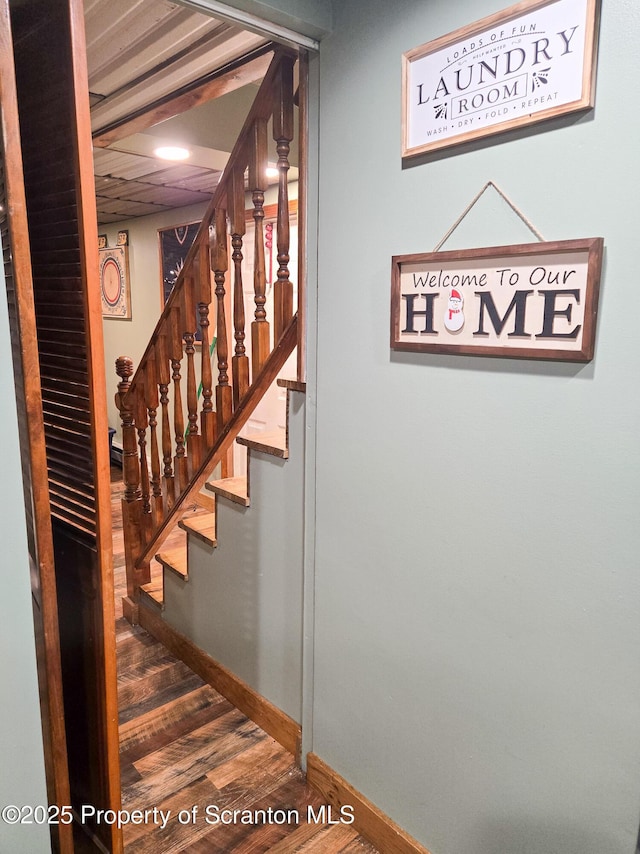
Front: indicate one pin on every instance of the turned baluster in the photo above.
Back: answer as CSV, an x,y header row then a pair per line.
x,y
193,437
142,423
164,378
283,134
258,184
189,335
219,265
268,245
240,361
175,354
203,290
151,401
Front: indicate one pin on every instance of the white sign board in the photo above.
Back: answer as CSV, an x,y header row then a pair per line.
x,y
531,62
535,300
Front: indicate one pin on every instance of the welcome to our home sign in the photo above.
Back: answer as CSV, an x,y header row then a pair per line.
x,y
531,62
530,300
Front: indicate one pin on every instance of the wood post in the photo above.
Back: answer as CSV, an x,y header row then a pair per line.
x,y
152,402
175,354
240,361
203,295
283,134
130,464
132,510
219,265
260,344
189,325
164,378
141,428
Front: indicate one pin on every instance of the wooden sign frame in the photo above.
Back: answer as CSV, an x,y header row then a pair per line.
x,y
531,62
528,300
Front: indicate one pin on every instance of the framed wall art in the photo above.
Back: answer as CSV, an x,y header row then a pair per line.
x,y
529,300
174,244
115,287
531,62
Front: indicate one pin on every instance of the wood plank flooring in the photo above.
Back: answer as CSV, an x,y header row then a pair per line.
x,y
190,755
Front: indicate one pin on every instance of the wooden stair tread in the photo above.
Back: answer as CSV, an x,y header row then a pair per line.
x,y
175,560
274,443
292,385
200,525
233,488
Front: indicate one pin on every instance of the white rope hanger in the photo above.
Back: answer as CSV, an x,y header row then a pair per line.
x,y
513,207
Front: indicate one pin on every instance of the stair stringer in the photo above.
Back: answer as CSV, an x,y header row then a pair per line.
x,y
243,602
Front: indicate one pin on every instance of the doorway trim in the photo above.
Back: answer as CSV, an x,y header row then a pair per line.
x,y
254,24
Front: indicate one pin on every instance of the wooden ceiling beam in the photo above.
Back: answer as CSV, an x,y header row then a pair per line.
x,y
177,103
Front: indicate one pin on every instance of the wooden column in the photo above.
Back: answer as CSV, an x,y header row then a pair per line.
x,y
283,134
152,401
260,343
132,510
203,295
164,378
175,354
130,464
219,265
189,324
303,183
240,361
141,428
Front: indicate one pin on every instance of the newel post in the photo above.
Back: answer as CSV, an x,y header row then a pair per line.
x,y
130,463
132,508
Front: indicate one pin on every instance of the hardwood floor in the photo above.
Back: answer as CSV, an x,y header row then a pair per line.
x,y
190,759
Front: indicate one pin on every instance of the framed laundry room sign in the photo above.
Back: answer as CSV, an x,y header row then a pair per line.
x,y
529,300
528,63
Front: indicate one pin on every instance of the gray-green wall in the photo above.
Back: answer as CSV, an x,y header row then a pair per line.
x,y
243,601
477,585
476,620
22,780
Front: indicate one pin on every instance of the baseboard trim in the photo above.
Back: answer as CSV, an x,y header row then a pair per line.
x,y
256,707
369,821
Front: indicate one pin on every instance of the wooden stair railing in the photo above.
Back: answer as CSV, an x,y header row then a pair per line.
x,y
171,444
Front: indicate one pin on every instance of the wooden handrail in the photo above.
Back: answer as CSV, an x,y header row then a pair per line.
x,y
269,373
164,463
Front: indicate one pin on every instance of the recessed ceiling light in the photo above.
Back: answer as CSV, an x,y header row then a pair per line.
x,y
272,172
172,152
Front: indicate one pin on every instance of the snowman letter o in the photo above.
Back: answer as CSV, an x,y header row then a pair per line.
x,y
454,316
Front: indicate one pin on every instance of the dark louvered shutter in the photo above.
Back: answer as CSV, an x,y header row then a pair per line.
x,y
50,60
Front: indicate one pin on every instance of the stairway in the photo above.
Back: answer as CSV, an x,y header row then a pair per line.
x,y
198,521
210,571
173,438
182,743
